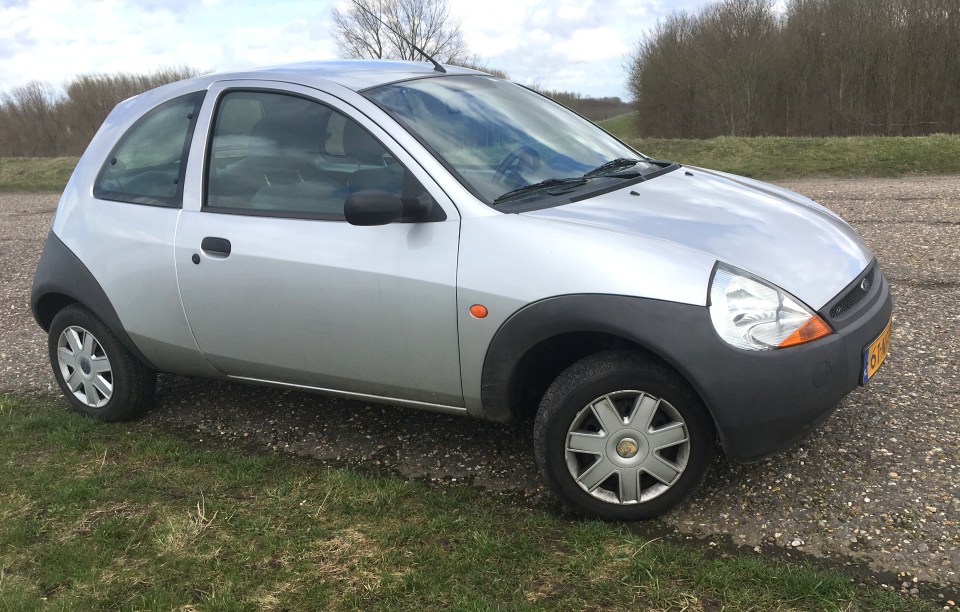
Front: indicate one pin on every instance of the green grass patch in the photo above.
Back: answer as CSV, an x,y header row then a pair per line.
x,y
128,516
777,158
621,126
782,157
35,173
763,157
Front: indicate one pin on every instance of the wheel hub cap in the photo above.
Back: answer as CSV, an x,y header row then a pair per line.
x,y
84,367
627,448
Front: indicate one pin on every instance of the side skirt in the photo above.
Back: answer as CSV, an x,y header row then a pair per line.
x,y
442,408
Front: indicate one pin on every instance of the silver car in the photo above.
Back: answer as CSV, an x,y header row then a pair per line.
x,y
442,239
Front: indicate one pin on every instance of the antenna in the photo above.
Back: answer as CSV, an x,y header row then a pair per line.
x,y
398,33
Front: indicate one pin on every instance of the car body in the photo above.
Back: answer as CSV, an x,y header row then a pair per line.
x,y
442,240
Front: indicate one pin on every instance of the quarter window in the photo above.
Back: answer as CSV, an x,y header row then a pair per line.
x,y
148,164
283,155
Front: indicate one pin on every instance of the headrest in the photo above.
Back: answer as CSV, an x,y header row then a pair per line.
x,y
357,142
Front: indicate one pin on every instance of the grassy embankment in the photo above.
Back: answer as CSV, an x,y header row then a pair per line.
x,y
35,173
129,516
768,158
773,158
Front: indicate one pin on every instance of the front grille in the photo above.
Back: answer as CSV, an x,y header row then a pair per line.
x,y
854,296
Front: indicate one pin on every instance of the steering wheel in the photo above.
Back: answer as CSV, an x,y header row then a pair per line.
x,y
518,160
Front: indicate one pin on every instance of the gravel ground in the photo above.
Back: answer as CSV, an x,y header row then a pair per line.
x,y
878,483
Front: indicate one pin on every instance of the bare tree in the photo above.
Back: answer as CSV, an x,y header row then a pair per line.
x,y
37,119
392,29
32,112
91,97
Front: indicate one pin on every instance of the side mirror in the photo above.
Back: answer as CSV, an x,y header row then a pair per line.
x,y
378,207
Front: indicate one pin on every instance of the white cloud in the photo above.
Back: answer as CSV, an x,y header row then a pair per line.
x,y
53,40
593,44
573,45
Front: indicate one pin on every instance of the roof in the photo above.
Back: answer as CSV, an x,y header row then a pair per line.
x,y
356,75
352,74
361,74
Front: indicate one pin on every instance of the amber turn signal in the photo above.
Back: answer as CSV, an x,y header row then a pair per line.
x,y
478,311
811,330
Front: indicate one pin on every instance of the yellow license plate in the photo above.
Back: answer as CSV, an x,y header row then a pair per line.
x,y
875,354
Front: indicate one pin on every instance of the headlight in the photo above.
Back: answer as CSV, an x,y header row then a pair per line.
x,y
754,315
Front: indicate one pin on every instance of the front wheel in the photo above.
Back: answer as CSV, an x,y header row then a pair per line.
x,y
97,374
623,437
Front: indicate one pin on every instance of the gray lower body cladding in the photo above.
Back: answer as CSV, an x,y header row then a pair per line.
x,y
61,278
761,401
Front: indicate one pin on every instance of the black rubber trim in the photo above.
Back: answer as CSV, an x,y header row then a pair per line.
x,y
842,319
276,214
761,401
436,215
61,273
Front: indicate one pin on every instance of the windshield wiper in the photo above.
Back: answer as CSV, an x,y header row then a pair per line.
x,y
620,162
618,168
550,182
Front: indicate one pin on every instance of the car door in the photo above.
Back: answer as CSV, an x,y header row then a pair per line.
x,y
278,287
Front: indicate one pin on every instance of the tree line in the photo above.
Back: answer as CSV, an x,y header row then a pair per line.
x,y
594,109
737,67
819,67
38,120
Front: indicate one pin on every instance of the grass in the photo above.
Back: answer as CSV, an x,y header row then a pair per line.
x,y
35,173
128,516
621,126
764,157
781,157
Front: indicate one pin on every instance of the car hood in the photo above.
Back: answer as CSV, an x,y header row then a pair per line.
x,y
771,232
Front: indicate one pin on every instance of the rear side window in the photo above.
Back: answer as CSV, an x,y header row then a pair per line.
x,y
148,164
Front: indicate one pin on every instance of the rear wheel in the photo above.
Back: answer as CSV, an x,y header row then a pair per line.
x,y
97,374
620,436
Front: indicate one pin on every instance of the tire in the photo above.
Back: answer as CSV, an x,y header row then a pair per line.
x,y
619,436
98,375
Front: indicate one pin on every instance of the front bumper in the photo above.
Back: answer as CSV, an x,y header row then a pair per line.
x,y
764,402
761,401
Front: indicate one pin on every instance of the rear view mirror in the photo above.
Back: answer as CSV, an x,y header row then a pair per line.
x,y
378,207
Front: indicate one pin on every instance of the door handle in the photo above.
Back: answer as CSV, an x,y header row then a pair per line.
x,y
214,245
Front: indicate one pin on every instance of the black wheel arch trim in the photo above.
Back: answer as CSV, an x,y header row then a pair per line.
x,y
761,402
640,321
61,279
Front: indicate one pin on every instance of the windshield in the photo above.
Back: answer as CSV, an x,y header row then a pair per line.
x,y
504,141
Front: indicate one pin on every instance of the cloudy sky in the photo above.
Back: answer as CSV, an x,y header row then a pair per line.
x,y
570,45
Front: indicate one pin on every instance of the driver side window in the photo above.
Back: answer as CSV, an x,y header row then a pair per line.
x,y
283,155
